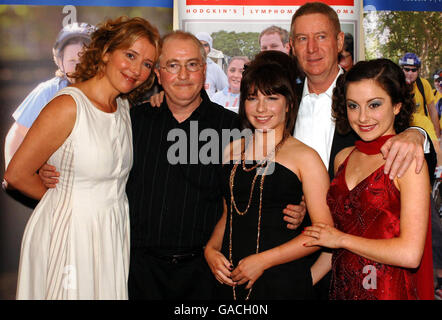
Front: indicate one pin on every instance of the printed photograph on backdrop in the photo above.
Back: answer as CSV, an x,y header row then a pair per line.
x,y
235,26
40,45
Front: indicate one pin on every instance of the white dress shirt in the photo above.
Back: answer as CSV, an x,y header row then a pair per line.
x,y
314,124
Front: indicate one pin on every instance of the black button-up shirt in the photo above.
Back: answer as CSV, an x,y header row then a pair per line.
x,y
175,206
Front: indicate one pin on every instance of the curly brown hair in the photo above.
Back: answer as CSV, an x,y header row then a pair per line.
x,y
389,76
111,35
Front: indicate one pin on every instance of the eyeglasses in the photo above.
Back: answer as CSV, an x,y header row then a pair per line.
x,y
175,67
410,69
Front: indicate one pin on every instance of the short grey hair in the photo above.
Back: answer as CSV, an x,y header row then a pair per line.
x,y
182,35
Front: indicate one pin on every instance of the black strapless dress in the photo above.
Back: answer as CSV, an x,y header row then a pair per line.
x,y
288,281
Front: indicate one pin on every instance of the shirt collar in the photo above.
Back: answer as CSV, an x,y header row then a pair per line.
x,y
329,91
200,111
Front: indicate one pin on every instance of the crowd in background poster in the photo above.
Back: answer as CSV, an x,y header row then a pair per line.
x,y
235,25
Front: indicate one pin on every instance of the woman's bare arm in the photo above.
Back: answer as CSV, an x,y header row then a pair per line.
x,y
51,128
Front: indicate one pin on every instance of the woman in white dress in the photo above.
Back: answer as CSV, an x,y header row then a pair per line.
x,y
229,96
76,243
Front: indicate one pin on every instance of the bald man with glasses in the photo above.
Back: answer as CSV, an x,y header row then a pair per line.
x,y
174,207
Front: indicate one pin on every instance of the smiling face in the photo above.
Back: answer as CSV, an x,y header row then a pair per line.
x,y
369,109
128,68
234,74
316,44
182,89
266,112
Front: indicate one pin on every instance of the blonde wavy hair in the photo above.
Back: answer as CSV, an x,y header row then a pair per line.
x,y
111,35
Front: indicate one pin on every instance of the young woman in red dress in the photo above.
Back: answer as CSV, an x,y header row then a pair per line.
x,y
380,225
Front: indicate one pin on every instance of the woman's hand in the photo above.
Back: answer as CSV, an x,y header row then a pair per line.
x,y
219,265
323,235
249,270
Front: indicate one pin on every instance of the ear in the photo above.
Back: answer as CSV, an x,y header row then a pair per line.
x,y
157,72
59,63
205,69
292,47
106,57
397,108
340,39
287,47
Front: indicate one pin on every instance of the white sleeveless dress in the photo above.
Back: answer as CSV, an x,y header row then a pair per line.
x,y
76,243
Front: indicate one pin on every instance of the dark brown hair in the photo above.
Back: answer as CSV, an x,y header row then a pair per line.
x,y
271,72
389,76
120,33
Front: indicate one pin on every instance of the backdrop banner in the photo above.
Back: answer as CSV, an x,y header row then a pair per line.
x,y
235,25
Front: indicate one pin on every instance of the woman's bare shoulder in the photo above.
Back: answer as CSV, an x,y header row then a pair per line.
x,y
299,156
342,155
58,115
61,105
300,150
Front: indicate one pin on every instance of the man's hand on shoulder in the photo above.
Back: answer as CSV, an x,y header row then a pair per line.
x,y
294,215
48,175
401,150
157,99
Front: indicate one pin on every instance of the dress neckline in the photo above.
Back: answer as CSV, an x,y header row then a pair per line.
x,y
362,181
279,164
343,168
109,114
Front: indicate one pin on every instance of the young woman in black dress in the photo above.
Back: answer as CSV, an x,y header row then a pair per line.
x,y
251,252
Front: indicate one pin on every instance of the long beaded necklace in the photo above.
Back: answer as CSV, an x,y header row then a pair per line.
x,y
261,169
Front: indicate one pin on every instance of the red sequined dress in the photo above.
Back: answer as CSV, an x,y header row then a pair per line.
x,y
370,210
